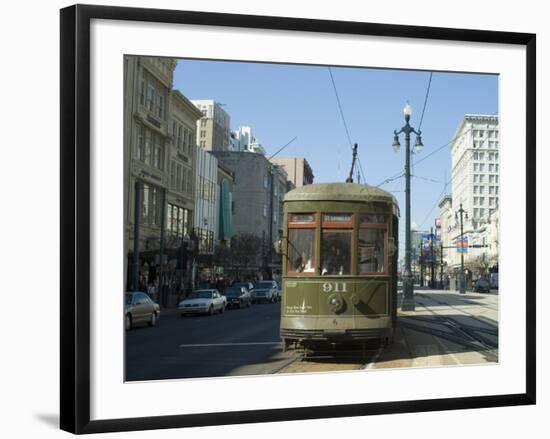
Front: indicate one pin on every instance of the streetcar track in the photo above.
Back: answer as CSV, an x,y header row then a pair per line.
x,y
469,334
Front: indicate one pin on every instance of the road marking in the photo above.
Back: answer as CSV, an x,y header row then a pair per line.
x,y
202,345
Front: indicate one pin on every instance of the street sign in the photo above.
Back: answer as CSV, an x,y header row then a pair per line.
x,y
462,245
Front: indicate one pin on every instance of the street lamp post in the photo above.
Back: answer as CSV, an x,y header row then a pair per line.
x,y
462,282
408,286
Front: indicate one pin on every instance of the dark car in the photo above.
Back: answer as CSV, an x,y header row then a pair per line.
x,y
248,285
237,297
482,285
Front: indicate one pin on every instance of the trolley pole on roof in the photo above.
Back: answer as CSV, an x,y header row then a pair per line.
x,y
350,178
408,280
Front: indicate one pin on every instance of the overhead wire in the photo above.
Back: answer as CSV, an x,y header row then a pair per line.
x,y
344,119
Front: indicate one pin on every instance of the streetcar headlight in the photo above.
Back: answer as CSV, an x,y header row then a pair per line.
x,y
336,303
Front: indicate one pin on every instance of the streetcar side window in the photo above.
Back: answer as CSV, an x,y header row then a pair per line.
x,y
371,251
301,256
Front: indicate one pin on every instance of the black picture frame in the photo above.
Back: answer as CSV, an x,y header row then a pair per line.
x,y
75,217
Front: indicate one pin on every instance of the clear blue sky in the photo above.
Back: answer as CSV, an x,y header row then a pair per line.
x,y
281,101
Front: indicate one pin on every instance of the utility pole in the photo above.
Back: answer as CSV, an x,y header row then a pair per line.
x,y
421,263
137,214
432,258
160,289
441,266
462,286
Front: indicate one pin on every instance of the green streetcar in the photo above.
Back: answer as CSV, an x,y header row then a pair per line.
x,y
339,280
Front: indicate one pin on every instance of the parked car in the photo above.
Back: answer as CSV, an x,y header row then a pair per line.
x,y
482,286
203,302
265,291
237,297
140,308
248,285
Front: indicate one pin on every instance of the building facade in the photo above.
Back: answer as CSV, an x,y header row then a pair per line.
x,y
213,132
475,165
475,187
225,200
297,168
206,201
147,140
258,191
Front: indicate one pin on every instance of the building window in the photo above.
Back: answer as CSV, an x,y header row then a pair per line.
x,y
491,167
481,167
491,190
476,156
265,210
475,189
491,178
476,201
203,123
173,174
490,134
491,201
475,167
481,133
150,204
481,201
177,221
203,134
203,144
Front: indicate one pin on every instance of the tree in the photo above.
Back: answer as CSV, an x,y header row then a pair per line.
x,y
246,250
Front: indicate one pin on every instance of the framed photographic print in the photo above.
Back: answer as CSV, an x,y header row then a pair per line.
x,y
276,218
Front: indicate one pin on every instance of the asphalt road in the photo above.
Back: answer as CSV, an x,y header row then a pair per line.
x,y
446,328
238,342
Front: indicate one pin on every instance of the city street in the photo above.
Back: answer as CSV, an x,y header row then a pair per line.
x,y
238,342
446,328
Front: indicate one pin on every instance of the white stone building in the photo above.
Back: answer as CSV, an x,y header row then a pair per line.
x,y
475,186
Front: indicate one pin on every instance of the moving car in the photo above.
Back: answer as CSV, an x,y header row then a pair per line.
x,y
203,302
140,308
265,291
237,297
482,286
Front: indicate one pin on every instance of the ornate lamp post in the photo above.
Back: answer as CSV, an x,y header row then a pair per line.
x,y
408,282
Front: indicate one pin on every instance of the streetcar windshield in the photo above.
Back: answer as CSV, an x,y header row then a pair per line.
x,y
336,252
300,250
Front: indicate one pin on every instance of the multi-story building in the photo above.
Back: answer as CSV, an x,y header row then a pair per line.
x,y
213,133
243,140
206,201
224,188
475,165
147,139
258,190
475,187
297,168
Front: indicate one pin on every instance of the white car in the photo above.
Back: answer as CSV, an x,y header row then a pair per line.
x,y
203,302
